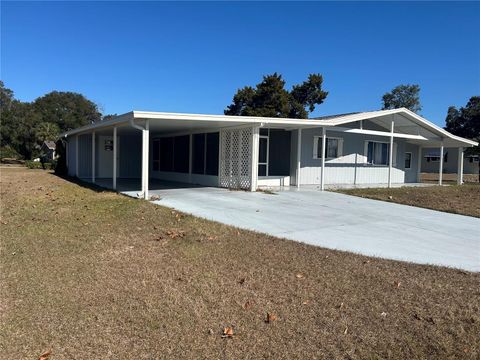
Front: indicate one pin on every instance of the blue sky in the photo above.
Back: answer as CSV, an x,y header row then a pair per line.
x,y
192,57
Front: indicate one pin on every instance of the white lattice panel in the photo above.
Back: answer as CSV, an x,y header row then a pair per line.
x,y
235,158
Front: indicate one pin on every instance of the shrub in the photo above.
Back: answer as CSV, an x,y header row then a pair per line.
x,y
38,165
8,152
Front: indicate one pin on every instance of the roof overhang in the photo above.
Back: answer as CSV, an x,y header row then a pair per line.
x,y
178,122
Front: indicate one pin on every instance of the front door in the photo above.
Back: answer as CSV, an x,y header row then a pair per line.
x,y
105,156
410,170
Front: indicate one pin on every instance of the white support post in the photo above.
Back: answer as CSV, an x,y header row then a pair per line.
x,y
419,164
324,146
76,156
460,166
114,175
299,156
390,155
190,157
93,156
145,160
254,158
440,167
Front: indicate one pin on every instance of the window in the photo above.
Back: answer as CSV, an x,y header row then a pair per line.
x,y
181,149
205,153
333,148
263,152
166,154
211,161
435,157
408,160
171,154
377,153
156,155
198,156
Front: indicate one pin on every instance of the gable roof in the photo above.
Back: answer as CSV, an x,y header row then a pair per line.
x,y
50,144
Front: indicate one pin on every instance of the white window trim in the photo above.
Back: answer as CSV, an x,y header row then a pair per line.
x,y
268,153
411,159
394,157
315,147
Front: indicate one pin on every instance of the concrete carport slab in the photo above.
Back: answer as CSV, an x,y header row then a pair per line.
x,y
341,222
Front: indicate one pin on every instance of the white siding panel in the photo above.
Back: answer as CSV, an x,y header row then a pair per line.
x,y
351,175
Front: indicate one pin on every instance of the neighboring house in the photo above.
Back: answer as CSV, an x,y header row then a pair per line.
x,y
431,159
48,149
378,147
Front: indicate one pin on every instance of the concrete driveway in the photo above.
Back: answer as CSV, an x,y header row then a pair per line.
x,y
342,222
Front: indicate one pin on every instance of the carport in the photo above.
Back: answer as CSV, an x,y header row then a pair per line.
x,y
151,148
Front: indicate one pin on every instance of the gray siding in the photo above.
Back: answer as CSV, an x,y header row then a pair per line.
x,y
130,156
71,141
449,166
85,156
351,167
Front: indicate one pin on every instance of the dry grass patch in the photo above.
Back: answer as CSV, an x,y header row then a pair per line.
x,y
97,275
463,200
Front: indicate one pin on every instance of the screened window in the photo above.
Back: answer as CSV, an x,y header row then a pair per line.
x,y
156,155
171,154
263,152
166,154
181,149
333,148
408,160
211,161
205,153
198,156
378,153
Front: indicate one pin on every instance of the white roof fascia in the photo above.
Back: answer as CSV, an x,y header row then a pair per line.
x,y
115,121
416,118
227,118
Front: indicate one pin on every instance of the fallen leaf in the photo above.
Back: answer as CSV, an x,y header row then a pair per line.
x,y
227,332
270,318
248,305
173,234
346,330
45,355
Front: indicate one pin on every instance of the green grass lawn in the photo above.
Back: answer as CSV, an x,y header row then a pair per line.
x,y
92,274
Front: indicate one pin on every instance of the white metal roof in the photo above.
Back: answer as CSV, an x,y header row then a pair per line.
x,y
163,121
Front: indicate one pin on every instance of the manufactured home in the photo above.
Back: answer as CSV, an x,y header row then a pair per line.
x,y
365,148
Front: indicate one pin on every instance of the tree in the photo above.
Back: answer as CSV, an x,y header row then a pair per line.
x,y
407,96
270,98
6,98
24,126
46,131
108,117
466,123
68,110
